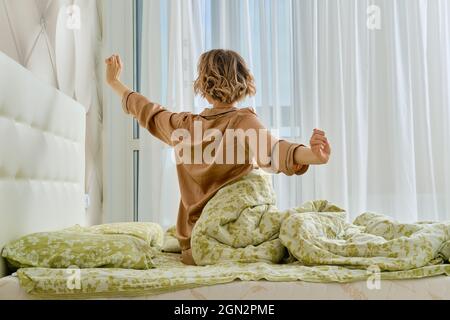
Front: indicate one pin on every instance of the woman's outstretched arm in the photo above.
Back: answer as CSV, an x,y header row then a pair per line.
x,y
281,155
159,121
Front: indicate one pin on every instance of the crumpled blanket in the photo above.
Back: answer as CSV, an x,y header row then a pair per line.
x,y
242,224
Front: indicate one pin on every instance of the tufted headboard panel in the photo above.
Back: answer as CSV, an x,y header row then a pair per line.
x,y
42,156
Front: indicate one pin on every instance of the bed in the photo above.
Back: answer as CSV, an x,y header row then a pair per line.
x,y
42,134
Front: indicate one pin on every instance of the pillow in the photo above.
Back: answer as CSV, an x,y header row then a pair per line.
x,y
127,245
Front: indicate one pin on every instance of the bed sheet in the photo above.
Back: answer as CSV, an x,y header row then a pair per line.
x,y
427,288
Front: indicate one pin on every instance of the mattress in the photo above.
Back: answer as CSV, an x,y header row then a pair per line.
x,y
427,288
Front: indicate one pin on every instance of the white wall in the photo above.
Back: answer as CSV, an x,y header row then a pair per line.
x,y
35,33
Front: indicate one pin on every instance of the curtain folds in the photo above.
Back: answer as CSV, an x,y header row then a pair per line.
x,y
382,95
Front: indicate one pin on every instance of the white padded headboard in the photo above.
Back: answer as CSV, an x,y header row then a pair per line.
x,y
42,156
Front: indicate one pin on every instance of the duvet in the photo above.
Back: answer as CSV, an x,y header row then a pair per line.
x,y
242,224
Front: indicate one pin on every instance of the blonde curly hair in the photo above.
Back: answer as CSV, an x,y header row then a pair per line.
x,y
224,76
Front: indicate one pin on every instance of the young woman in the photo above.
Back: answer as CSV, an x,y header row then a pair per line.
x,y
221,144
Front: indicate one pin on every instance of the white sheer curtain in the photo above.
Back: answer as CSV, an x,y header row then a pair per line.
x,y
382,95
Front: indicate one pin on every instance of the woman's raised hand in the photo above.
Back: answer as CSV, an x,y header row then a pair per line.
x,y
113,68
320,146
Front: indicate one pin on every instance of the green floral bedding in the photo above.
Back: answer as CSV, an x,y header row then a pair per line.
x,y
170,275
119,245
242,224
242,235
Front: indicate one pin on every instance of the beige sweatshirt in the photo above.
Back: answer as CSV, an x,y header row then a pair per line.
x,y
199,182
